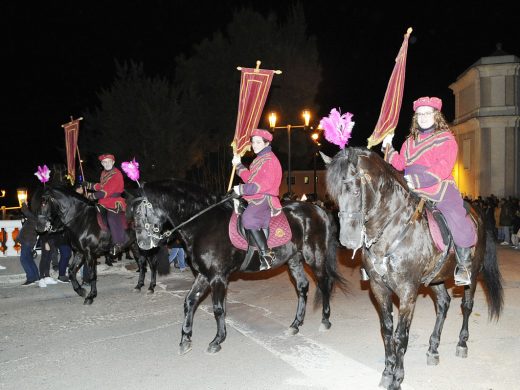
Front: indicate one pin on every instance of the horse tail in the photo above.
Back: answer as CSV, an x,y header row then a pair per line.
x,y
161,259
331,260
493,278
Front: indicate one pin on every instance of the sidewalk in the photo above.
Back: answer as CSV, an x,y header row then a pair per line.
x,y
14,273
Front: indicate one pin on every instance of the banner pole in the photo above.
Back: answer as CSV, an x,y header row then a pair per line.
x,y
231,178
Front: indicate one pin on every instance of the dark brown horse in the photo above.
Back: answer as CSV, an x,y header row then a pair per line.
x,y
201,220
376,213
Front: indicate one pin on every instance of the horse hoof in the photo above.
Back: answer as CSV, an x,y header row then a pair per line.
x,y
291,331
461,351
185,347
386,381
82,292
214,348
150,291
432,359
325,326
88,301
137,289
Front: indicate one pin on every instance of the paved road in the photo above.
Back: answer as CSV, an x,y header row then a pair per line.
x,y
127,340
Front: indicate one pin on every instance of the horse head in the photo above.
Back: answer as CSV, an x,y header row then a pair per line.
x,y
57,208
353,177
148,223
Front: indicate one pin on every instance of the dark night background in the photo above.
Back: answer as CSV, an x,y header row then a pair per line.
x,y
58,56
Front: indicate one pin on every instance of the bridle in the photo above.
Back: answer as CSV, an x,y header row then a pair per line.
x,y
361,217
50,203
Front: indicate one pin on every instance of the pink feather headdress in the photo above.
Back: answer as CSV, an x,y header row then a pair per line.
x,y
337,128
131,169
43,174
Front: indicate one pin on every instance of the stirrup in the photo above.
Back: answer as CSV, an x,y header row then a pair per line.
x,y
266,260
462,276
364,274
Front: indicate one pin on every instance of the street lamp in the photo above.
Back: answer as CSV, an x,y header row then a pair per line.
x,y
315,136
21,193
306,114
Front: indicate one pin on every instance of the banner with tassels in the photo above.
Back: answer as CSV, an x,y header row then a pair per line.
x,y
391,107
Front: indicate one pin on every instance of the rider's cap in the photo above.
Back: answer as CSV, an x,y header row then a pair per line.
x,y
105,156
262,133
434,102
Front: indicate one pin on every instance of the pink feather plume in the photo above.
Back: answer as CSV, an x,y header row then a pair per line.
x,y
131,169
43,174
337,128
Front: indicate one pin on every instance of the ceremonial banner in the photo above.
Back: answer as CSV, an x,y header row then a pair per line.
x,y
71,144
254,87
389,115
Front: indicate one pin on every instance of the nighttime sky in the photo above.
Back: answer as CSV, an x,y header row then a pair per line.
x,y
59,56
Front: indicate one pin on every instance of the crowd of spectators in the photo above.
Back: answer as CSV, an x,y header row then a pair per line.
x,y
502,217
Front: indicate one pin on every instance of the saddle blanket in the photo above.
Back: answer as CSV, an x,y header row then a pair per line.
x,y
279,232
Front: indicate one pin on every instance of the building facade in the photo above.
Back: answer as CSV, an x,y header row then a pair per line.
x,y
487,126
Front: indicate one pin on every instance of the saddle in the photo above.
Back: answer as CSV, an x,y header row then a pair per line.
x,y
278,233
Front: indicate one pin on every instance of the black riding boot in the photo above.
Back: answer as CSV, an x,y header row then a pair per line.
x,y
463,269
266,255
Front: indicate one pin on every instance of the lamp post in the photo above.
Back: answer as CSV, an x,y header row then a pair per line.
x,y
315,136
21,194
272,123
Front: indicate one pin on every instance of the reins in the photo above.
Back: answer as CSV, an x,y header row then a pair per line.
x,y
169,232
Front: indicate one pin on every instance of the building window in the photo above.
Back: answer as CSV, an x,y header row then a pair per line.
x,y
306,180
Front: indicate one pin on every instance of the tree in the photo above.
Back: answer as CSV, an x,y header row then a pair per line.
x,y
209,83
173,128
138,117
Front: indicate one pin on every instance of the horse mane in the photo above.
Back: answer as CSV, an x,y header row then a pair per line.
x,y
356,158
179,196
70,192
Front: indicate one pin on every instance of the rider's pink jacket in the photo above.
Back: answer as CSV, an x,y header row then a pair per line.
x,y
429,161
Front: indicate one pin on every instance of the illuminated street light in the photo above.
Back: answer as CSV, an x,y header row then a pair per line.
x,y
315,136
272,122
21,193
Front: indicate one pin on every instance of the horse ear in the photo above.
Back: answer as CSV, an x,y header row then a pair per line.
x,y
326,159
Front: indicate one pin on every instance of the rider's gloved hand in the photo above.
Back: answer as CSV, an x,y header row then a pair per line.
x,y
409,182
236,160
387,141
236,189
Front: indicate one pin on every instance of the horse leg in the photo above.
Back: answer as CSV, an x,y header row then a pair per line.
x,y
325,284
442,303
467,308
153,274
402,330
74,266
93,281
383,297
142,272
199,287
302,287
218,295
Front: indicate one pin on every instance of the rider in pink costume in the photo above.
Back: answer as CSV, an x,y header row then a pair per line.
x,y
427,157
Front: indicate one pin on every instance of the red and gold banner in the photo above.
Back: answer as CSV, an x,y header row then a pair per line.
x,y
389,115
71,144
254,88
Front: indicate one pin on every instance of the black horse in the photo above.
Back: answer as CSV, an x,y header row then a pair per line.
x,y
170,203
379,214
62,208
